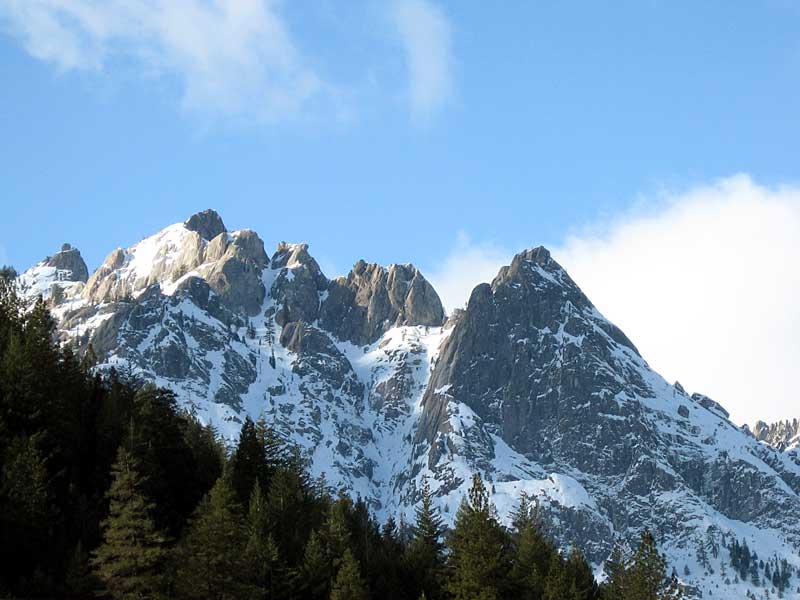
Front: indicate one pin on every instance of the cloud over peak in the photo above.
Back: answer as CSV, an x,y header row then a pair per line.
x,y
705,282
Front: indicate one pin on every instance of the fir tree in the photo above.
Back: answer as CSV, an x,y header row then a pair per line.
x,y
156,438
479,549
425,552
616,569
647,578
580,577
316,568
532,551
556,584
349,584
211,560
248,462
262,552
130,560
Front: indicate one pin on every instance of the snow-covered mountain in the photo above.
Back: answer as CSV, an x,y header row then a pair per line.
x,y
529,385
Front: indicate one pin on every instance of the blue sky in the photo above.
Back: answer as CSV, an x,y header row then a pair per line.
x,y
396,130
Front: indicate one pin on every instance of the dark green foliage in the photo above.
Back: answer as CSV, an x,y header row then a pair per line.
x,y
480,558
156,437
349,584
582,585
130,560
533,551
642,576
210,561
60,428
426,550
316,569
269,573
248,462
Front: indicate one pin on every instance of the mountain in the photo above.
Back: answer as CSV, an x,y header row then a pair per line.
x,y
784,435
529,385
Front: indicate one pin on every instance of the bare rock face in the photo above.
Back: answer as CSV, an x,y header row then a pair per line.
x,y
372,299
70,261
207,223
298,284
317,354
783,435
102,286
236,276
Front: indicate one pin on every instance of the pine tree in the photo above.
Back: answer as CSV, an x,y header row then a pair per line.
x,y
316,569
248,462
349,585
262,552
532,551
580,577
479,549
557,584
646,577
616,569
426,550
337,530
156,438
210,559
130,560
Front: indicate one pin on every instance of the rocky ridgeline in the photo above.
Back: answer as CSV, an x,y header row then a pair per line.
x,y
529,385
784,435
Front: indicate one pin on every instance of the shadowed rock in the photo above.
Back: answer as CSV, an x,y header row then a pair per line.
x,y
207,223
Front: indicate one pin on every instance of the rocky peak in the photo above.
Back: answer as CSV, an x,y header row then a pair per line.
x,y
291,256
372,299
207,223
782,435
298,285
513,354
70,261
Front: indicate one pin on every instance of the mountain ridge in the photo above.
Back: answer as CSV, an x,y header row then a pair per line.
x,y
529,385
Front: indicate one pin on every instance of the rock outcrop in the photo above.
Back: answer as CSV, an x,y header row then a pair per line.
x,y
783,435
372,299
70,262
207,223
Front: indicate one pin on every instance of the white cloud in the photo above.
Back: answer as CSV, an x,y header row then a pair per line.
x,y
232,57
425,33
468,264
705,282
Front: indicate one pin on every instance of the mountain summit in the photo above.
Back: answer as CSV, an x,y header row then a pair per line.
x,y
529,385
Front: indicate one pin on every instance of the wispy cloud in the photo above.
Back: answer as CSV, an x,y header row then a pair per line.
x,y
231,57
705,282
425,33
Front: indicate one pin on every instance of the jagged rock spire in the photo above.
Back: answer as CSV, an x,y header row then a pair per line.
x,y
207,223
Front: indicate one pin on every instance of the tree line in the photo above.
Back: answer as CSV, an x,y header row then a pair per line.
x,y
108,489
